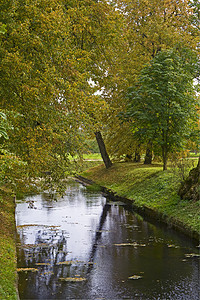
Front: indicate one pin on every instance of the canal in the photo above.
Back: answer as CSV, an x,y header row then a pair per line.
x,y
83,246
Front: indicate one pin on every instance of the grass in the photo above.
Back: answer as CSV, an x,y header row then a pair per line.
x,y
149,186
193,154
92,156
8,275
88,157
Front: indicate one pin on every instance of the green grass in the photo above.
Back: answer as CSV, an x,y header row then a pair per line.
x,y
92,156
149,186
193,154
88,157
8,276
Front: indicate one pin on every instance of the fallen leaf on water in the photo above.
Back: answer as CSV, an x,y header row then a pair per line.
x,y
135,277
68,262
27,270
73,279
173,246
131,244
192,255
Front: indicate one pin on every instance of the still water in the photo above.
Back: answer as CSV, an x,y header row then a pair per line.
x,y
84,247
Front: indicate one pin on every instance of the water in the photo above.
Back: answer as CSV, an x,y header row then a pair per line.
x,y
84,237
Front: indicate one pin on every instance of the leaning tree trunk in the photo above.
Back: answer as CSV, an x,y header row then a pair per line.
x,y
190,187
102,149
148,156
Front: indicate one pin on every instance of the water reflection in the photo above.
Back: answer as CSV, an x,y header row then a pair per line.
x,y
84,236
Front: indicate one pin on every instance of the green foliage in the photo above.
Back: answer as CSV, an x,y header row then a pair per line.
x,y
92,146
163,105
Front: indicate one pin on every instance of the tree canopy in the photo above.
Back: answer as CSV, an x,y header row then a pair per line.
x,y
51,51
163,104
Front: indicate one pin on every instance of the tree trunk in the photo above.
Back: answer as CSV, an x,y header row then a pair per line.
x,y
102,149
164,157
148,156
128,157
137,154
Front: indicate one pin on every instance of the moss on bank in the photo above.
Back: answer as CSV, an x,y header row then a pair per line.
x,y
149,186
8,275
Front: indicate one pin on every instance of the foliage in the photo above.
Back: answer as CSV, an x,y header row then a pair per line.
x,y
182,166
56,55
147,28
163,105
44,81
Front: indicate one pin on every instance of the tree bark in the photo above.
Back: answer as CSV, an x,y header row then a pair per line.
x,y
164,157
148,156
137,154
102,149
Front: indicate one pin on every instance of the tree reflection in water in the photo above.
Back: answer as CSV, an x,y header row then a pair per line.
x,y
84,244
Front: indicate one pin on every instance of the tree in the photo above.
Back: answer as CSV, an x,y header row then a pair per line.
x,y
45,82
146,27
163,105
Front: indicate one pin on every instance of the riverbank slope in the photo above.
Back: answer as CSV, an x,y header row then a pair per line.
x,y
152,191
8,261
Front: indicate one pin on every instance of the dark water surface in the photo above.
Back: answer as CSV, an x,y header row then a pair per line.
x,y
82,236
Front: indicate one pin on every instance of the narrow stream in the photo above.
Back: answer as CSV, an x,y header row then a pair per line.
x,y
83,247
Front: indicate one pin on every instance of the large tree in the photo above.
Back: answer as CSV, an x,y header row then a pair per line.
x,y
147,27
44,84
163,104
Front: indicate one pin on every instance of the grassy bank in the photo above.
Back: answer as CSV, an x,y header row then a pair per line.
x,y
8,275
149,186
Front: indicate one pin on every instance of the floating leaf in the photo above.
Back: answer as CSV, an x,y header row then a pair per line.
x,y
73,279
67,263
27,270
173,246
130,244
192,255
135,277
